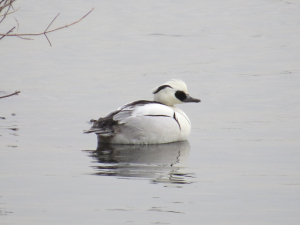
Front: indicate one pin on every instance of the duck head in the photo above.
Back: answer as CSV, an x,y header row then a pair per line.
x,y
173,92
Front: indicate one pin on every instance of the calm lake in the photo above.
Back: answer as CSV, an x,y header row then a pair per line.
x,y
241,163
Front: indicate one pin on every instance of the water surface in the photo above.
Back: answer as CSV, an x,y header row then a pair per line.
x,y
241,162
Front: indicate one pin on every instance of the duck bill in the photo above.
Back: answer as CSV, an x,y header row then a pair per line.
x,y
191,99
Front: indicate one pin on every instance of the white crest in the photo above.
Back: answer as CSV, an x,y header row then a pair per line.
x,y
165,93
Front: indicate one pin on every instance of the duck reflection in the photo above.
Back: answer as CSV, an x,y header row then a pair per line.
x,y
162,163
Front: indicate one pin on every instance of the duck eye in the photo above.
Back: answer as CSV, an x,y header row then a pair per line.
x,y
180,95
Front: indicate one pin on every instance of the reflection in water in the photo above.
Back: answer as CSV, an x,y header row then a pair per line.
x,y
8,128
161,163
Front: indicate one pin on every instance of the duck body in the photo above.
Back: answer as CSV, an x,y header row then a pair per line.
x,y
145,122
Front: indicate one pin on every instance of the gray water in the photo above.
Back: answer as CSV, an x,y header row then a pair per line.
x,y
240,164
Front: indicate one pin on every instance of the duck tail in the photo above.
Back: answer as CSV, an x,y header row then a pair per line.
x,y
100,132
102,127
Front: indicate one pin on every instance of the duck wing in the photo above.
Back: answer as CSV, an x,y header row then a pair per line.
x,y
107,126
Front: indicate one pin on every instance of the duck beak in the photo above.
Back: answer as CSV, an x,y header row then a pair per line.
x,y
190,99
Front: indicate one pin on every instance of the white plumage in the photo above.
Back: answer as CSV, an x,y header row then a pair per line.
x,y
148,122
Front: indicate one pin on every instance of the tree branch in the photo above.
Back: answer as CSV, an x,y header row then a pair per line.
x,y
8,4
48,39
25,38
10,12
17,23
51,22
8,32
15,93
49,31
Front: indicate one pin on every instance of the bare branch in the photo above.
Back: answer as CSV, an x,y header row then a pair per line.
x,y
6,4
9,5
51,22
10,12
15,93
47,39
17,23
49,31
8,32
25,38
71,23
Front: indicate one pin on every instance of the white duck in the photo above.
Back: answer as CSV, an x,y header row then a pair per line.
x,y
148,122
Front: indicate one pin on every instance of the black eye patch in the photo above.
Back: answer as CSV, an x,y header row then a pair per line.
x,y
160,88
180,95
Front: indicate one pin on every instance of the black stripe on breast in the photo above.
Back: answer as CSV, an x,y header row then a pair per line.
x,y
174,117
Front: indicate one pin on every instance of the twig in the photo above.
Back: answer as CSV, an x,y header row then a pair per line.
x,y
49,31
71,23
48,28
15,93
10,12
25,38
17,23
47,39
9,5
8,32
51,22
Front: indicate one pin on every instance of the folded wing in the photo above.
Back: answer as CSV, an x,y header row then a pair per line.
x,y
108,126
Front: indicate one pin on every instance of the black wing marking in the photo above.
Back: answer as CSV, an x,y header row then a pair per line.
x,y
139,103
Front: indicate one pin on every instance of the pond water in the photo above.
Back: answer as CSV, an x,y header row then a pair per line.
x,y
240,164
